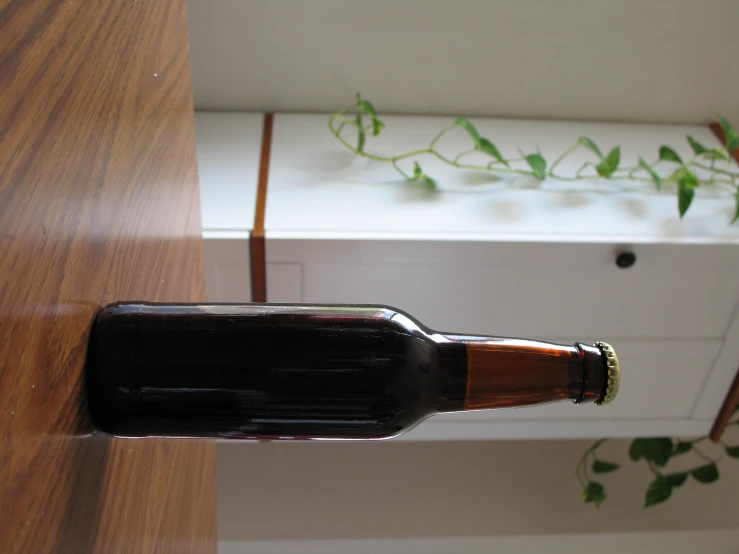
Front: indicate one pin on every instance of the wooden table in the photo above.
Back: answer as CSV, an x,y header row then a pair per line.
x,y
99,202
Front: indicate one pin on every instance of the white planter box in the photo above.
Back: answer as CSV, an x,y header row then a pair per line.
x,y
515,259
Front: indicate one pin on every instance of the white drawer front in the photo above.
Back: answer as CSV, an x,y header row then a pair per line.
x,y
284,283
227,267
527,289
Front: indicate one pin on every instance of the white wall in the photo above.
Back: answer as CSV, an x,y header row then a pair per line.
x,y
638,60
397,490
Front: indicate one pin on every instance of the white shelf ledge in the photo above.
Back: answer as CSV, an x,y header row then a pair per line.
x,y
318,188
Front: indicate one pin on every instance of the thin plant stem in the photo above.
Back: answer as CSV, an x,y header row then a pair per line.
x,y
583,167
465,153
562,156
715,169
702,455
441,134
654,469
581,470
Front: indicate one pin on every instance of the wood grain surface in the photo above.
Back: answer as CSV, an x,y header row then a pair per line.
x,y
99,202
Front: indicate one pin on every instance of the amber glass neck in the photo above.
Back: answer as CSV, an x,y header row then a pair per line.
x,y
504,373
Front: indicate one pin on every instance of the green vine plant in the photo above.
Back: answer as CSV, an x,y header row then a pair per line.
x,y
656,453
363,120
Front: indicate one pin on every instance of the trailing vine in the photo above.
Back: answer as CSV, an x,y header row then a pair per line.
x,y
362,118
656,453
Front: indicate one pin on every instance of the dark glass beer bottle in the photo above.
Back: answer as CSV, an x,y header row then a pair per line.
x,y
297,371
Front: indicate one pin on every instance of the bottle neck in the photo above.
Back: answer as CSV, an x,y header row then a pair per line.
x,y
506,373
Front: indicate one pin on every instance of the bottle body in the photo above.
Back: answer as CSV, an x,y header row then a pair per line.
x,y
295,371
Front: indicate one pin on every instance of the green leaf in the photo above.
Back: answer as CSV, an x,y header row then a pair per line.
x,y
687,182
489,148
428,181
736,218
609,164
730,134
716,154
685,197
538,165
419,175
590,145
705,474
377,126
676,479
690,178
604,467
417,172
658,491
697,147
595,493
657,450
669,155
732,451
656,178
360,136
470,128
682,448
365,106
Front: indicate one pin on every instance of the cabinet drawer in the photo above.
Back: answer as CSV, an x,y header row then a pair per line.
x,y
660,380
227,266
526,289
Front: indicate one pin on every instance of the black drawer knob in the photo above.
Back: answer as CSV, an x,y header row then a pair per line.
x,y
625,260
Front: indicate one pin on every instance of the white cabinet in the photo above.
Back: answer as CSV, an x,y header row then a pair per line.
x,y
509,258
516,258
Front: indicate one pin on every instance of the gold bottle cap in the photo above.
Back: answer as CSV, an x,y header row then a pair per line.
x,y
614,373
